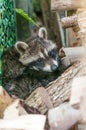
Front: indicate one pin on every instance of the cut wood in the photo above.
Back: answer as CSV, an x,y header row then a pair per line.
x,y
24,122
67,4
16,117
14,110
63,117
5,100
18,108
58,91
82,26
73,53
82,19
73,40
78,96
65,62
73,36
82,35
69,21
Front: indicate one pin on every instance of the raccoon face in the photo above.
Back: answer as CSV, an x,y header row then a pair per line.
x,y
39,53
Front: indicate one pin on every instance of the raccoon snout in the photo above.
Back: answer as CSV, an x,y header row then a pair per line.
x,y
54,67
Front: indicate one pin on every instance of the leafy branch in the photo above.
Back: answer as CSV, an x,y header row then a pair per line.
x,y
25,15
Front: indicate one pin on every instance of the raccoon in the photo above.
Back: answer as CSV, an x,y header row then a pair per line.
x,y
38,53
26,63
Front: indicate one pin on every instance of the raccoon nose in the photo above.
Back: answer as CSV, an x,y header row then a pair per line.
x,y
53,67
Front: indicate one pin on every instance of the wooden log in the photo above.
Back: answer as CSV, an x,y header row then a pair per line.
x,y
67,5
57,91
69,21
78,96
73,53
72,22
24,122
65,62
14,110
81,127
63,117
82,26
5,100
82,19
82,35
73,40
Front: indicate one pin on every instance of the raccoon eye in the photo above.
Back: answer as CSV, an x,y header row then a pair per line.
x,y
53,53
40,60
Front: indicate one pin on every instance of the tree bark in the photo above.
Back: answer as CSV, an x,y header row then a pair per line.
x,y
69,21
73,53
67,5
82,26
50,22
63,117
24,122
5,100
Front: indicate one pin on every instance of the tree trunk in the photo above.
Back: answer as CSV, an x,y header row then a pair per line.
x,y
67,5
50,22
69,21
82,26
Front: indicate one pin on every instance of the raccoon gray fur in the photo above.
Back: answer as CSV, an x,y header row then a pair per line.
x,y
26,63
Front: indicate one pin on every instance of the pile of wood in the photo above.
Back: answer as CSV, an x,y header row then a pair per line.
x,y
17,115
62,105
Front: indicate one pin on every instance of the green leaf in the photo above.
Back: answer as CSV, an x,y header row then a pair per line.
x,y
25,15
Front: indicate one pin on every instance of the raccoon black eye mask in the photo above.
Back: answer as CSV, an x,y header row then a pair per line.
x,y
40,63
37,65
53,53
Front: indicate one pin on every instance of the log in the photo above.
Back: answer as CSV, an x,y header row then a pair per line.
x,y
73,53
14,110
5,100
73,40
78,96
63,117
82,19
57,91
67,5
69,21
17,108
65,62
82,26
82,35
24,122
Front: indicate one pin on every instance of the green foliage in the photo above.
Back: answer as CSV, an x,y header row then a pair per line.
x,y
25,15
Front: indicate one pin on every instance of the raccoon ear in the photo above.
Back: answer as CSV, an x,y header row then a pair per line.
x,y
21,47
42,33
